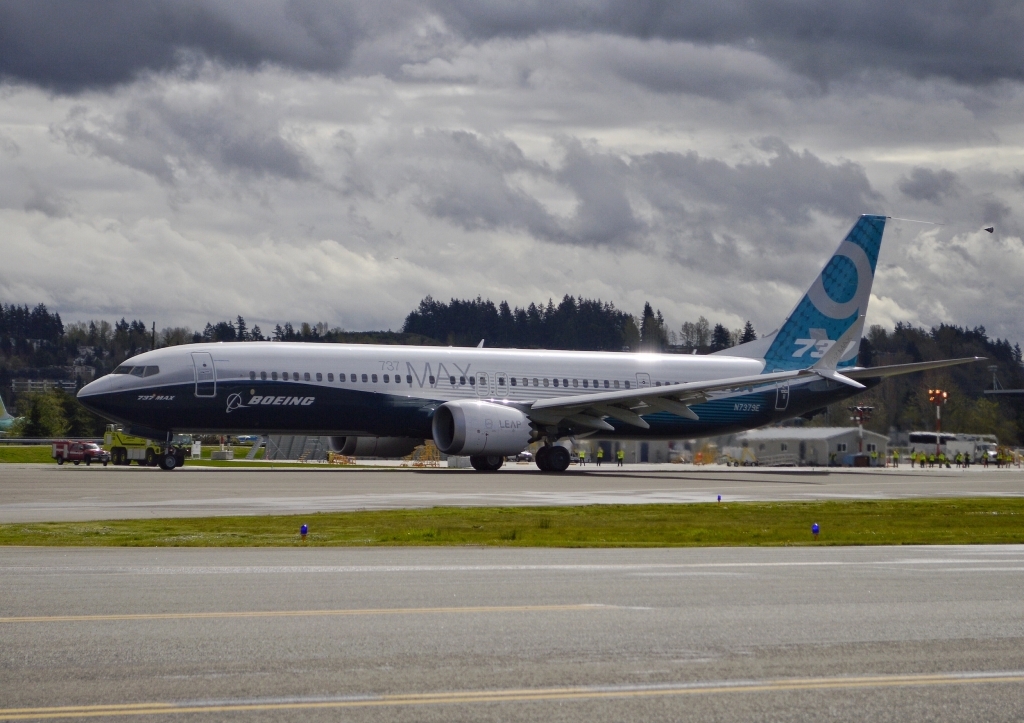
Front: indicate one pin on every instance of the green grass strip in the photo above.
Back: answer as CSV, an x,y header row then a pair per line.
x,y
882,522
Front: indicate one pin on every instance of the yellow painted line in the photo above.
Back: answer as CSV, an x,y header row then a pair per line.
x,y
300,613
521,695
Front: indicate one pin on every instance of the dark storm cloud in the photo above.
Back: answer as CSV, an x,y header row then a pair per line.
x,y
787,186
229,132
924,184
470,181
972,42
68,46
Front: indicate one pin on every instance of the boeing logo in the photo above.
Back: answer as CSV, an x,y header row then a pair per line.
x,y
235,402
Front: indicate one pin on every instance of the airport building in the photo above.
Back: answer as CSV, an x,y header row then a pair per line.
x,y
811,446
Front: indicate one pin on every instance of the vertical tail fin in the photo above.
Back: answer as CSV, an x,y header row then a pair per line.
x,y
836,302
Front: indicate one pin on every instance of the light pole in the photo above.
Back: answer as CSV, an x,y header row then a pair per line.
x,y
860,414
938,398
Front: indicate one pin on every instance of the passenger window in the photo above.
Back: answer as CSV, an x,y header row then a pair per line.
x,y
432,381
605,383
501,381
575,383
462,380
273,375
263,376
472,380
482,378
138,371
512,381
657,384
408,378
306,376
330,376
616,383
284,375
352,378
452,380
565,382
555,382
364,379
584,383
373,378
319,377
545,381
153,371
295,376
387,379
627,384
398,379
252,376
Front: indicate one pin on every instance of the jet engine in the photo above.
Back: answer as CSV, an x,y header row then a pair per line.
x,y
374,446
471,427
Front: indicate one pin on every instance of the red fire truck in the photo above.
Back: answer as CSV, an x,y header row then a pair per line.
x,y
65,450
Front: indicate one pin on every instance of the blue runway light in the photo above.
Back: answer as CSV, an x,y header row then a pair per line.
x,y
815,530
304,530
719,498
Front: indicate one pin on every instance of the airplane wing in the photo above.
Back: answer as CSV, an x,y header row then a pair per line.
x,y
897,369
587,410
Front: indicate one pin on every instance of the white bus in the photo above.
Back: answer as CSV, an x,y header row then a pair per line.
x,y
951,444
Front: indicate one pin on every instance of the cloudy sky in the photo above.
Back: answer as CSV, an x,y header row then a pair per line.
x,y
305,160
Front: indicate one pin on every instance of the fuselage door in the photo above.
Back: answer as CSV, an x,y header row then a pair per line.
x,y
781,395
501,385
484,381
206,374
643,381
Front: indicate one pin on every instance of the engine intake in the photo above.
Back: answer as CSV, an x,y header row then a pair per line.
x,y
473,427
374,446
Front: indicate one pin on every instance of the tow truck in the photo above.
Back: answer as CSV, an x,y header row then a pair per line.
x,y
125,448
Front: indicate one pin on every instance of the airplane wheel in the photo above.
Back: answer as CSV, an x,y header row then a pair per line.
x,y
559,459
486,462
168,461
543,459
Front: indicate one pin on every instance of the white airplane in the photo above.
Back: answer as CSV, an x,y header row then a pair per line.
x,y
492,403
6,420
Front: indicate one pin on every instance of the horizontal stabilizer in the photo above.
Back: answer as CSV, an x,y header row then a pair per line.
x,y
894,370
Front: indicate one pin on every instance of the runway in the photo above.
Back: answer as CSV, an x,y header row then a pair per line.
x,y
457,634
41,493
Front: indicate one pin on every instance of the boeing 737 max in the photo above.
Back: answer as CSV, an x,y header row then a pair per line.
x,y
489,403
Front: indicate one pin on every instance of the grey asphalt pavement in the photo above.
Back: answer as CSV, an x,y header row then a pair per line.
x,y
39,493
453,634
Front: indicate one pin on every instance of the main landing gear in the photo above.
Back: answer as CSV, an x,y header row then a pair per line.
x,y
171,458
552,458
486,462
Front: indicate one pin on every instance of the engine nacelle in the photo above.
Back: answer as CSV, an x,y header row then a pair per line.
x,y
474,427
374,446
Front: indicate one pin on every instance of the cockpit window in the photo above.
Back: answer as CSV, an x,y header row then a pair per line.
x,y
123,369
151,371
138,371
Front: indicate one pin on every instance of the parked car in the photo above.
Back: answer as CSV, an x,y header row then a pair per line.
x,y
88,452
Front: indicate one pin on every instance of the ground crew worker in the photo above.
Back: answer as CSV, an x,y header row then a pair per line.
x,y
967,460
959,459
874,458
931,460
583,458
600,455
896,458
620,456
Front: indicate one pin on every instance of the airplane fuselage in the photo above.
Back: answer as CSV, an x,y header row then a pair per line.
x,y
393,391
